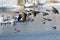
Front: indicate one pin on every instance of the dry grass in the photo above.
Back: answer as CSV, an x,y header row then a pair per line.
x,y
5,15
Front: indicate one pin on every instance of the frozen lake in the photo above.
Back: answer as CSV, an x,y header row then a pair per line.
x,y
30,31
35,30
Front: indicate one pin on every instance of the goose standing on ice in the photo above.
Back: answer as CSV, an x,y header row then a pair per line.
x,y
24,16
35,12
54,10
19,17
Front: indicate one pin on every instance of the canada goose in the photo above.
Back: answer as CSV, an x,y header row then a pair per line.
x,y
48,19
44,14
54,27
55,10
19,17
35,12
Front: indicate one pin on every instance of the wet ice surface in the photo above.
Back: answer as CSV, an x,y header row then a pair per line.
x,y
35,30
45,35
30,31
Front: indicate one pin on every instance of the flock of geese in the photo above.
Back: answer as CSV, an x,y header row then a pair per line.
x,y
54,10
23,17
